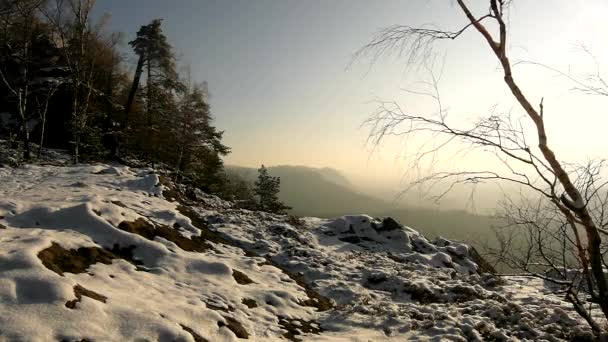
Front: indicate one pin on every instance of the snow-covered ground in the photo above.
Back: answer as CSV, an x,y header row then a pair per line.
x,y
100,253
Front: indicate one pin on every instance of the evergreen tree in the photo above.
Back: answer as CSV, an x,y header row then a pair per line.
x,y
210,176
192,145
161,97
238,189
195,139
267,189
63,80
156,55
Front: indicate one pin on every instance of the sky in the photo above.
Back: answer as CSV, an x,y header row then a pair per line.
x,y
285,89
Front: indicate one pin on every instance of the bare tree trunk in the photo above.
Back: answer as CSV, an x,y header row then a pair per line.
x,y
134,86
75,126
499,134
42,111
148,95
22,103
80,61
26,140
77,150
593,237
43,126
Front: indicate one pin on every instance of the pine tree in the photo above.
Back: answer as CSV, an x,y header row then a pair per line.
x,y
192,145
150,130
238,189
267,189
156,55
195,138
210,175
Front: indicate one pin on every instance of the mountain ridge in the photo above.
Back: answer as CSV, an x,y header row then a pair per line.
x,y
321,192
306,189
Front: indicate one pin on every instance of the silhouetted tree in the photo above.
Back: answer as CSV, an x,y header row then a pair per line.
x,y
156,55
238,189
267,189
566,219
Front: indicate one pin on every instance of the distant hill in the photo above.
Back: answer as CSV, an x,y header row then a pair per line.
x,y
325,192
335,176
321,192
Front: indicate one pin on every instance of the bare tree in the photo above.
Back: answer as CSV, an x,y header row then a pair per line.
x,y
564,208
20,19
42,108
71,22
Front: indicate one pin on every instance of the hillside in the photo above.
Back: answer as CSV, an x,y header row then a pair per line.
x,y
110,253
454,224
316,192
325,192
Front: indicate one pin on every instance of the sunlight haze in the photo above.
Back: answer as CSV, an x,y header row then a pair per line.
x,y
303,170
286,90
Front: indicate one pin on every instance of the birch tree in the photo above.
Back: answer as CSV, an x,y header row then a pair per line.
x,y
72,25
26,41
569,209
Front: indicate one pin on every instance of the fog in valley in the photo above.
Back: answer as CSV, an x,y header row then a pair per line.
x,y
291,84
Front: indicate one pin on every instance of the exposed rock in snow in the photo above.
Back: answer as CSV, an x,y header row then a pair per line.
x,y
110,253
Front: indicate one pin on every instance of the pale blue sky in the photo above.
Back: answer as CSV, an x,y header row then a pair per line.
x,y
277,70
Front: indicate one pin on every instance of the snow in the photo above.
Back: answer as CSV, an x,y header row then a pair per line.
x,y
384,281
73,206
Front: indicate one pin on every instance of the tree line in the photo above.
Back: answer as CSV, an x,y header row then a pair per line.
x,y
64,83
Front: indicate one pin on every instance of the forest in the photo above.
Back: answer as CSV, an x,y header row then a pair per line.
x,y
65,83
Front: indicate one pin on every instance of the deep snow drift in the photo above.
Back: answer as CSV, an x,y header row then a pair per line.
x,y
110,253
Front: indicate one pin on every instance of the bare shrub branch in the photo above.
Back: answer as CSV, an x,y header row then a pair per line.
x,y
553,229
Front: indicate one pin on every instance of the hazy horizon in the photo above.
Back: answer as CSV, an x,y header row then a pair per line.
x,y
285,92
433,170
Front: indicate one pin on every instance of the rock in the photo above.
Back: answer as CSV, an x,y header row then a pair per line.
x,y
483,266
388,224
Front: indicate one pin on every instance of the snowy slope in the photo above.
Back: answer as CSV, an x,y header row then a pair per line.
x,y
107,253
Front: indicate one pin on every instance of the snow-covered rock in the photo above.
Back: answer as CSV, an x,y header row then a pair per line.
x,y
100,253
